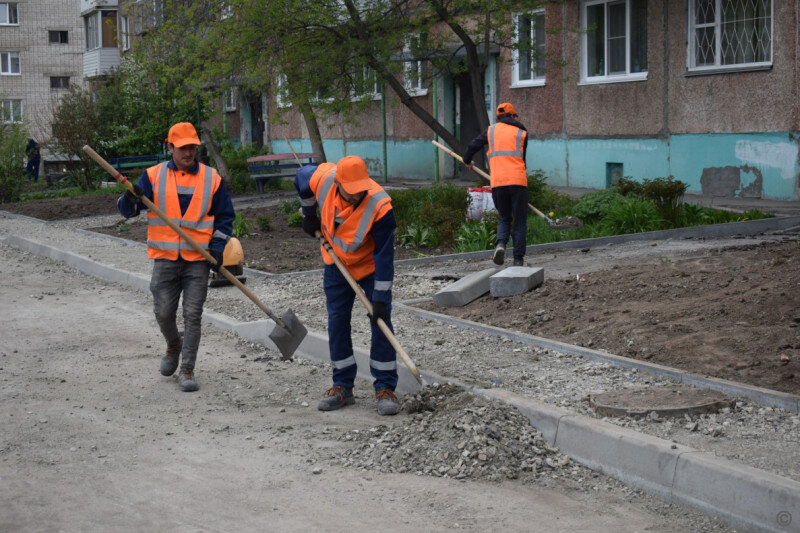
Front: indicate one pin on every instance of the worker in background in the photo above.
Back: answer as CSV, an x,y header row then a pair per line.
x,y
508,143
194,197
357,221
34,159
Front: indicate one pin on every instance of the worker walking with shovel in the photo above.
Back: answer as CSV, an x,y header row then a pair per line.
x,y
193,197
357,221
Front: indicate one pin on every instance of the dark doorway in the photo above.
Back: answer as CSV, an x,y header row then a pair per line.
x,y
469,128
256,120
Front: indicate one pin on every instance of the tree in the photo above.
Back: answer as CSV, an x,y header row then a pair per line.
x,y
12,160
75,125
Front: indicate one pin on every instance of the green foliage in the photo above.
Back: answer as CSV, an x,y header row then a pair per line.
x,y
72,192
295,220
123,227
593,206
665,193
241,226
546,198
632,216
264,223
441,209
416,236
475,235
12,161
289,207
76,123
694,215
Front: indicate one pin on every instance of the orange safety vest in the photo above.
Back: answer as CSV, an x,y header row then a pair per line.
x,y
347,229
162,241
506,160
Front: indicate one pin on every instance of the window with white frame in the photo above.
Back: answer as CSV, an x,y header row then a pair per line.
x,y
9,15
230,99
528,51
281,92
729,34
614,40
414,70
92,28
124,33
366,84
11,110
9,63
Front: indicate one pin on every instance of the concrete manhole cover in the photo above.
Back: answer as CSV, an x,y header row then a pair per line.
x,y
676,400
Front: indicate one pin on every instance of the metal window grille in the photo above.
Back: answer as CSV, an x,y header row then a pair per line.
x,y
731,32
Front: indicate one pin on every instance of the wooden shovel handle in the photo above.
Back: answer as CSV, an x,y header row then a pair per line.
x,y
368,305
123,180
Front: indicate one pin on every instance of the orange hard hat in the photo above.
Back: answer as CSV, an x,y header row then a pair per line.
x,y
351,174
506,109
182,134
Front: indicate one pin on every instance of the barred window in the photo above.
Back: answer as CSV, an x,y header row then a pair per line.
x,y
730,34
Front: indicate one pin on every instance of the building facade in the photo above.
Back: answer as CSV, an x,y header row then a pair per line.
x,y
41,56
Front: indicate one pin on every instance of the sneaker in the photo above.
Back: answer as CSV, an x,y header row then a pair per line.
x,y
518,262
499,254
169,363
387,402
186,380
335,398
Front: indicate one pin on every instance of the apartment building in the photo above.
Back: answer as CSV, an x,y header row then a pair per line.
x,y
41,56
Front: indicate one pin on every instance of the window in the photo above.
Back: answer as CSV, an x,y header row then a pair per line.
x,y
729,34
109,31
9,16
230,99
9,63
366,84
59,82
92,31
528,53
11,110
124,32
58,37
281,92
414,71
614,42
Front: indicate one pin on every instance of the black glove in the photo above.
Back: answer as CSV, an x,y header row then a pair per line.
x,y
312,225
129,196
218,257
379,310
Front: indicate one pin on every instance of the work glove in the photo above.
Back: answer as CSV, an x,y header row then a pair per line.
x,y
129,196
312,225
218,257
379,310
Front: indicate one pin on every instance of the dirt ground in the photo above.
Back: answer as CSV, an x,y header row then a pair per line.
x,y
95,439
732,314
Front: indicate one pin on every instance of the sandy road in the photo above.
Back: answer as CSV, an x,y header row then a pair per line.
x,y
94,439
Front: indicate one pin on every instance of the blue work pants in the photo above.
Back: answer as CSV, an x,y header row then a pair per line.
x,y
339,297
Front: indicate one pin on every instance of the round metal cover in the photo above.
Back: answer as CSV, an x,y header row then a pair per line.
x,y
675,400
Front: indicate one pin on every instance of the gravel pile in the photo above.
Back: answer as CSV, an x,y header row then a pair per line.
x,y
457,434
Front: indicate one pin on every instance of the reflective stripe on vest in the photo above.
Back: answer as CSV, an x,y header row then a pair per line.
x,y
506,155
517,152
161,238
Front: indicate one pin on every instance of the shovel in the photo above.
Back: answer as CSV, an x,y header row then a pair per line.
x,y
368,305
567,223
288,332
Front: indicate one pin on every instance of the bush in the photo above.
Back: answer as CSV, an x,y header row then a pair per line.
x,y
264,223
288,207
665,193
544,198
593,206
241,226
295,220
441,209
632,216
12,161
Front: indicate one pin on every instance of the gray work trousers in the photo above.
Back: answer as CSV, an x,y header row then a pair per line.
x,y
169,280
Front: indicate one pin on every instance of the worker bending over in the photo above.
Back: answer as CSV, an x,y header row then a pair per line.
x,y
357,221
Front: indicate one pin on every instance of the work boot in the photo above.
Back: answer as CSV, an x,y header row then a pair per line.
x,y
335,398
186,380
169,363
499,254
518,262
387,402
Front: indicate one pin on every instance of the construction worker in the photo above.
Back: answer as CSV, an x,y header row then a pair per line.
x,y
194,197
508,143
357,221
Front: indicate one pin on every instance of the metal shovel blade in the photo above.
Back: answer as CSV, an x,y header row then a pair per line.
x,y
289,338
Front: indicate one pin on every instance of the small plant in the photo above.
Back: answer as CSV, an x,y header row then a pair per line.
x,y
123,226
241,226
474,236
264,223
287,207
295,220
419,236
665,193
594,205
